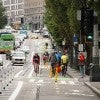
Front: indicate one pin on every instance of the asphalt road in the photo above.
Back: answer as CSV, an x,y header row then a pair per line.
x,y
26,86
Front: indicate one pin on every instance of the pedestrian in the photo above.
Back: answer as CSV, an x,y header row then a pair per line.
x,y
58,57
53,62
64,63
57,71
81,63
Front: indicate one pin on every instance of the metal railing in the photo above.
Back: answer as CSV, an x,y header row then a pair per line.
x,y
6,76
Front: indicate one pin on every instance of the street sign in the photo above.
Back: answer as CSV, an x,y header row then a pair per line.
x,y
75,39
80,47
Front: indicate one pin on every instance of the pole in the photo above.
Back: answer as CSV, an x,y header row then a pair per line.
x,y
95,75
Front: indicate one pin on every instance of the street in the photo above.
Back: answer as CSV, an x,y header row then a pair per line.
x,y
27,86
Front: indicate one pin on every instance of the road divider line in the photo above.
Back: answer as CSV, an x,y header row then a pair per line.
x,y
18,74
30,74
15,93
71,83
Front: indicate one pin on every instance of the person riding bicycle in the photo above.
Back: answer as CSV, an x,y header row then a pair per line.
x,y
64,63
36,62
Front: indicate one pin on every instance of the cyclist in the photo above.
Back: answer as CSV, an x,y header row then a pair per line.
x,y
36,62
64,63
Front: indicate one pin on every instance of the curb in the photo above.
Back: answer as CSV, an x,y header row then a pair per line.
x,y
97,91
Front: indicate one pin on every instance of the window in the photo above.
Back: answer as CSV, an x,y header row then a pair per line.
x,y
13,1
20,6
20,12
7,2
20,1
12,13
13,8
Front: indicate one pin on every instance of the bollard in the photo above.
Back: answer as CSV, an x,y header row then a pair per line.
x,y
37,93
12,72
4,78
0,81
7,77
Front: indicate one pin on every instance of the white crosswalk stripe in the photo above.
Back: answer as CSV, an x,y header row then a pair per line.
x,y
60,82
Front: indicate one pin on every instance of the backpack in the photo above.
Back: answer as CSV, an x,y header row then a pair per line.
x,y
53,59
81,58
64,59
58,57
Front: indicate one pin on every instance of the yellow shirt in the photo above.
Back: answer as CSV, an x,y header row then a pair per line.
x,y
64,58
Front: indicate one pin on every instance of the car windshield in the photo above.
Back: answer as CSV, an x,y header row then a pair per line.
x,y
20,54
25,47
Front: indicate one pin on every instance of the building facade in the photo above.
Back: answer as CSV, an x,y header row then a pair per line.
x,y
34,13
25,12
14,10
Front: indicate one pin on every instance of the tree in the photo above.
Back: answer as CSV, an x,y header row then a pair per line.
x,y
61,21
3,18
61,18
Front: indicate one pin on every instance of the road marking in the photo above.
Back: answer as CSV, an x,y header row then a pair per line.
x,y
40,81
62,82
71,83
15,93
75,90
31,80
57,88
18,74
30,74
80,94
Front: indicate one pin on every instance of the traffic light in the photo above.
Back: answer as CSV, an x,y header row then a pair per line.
x,y
89,38
87,20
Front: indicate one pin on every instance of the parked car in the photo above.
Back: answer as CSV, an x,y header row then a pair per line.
x,y
25,49
18,57
1,60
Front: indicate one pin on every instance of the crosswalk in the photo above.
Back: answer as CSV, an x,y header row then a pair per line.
x,y
61,81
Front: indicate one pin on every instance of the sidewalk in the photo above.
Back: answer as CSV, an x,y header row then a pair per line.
x,y
95,86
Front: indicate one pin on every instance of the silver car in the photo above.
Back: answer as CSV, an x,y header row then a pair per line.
x,y
25,49
18,57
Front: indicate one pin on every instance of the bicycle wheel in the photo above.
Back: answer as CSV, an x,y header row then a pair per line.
x,y
63,71
81,79
36,68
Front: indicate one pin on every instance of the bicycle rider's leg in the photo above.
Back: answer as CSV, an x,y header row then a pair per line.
x,y
38,68
64,70
34,67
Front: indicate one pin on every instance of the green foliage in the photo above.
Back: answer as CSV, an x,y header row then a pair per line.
x,y
60,18
3,18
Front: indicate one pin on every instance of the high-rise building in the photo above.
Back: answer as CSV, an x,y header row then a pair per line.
x,y
25,12
14,10
34,13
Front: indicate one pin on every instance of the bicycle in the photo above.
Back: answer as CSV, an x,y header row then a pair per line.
x,y
81,79
36,68
64,70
